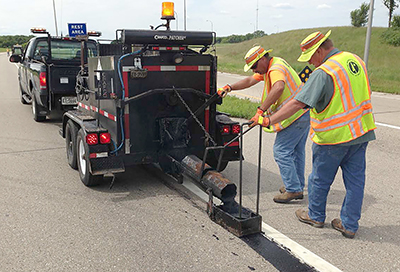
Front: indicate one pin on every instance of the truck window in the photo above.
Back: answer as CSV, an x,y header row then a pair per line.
x,y
69,50
42,49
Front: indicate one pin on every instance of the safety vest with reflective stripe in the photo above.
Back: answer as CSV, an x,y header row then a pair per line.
x,y
292,87
349,113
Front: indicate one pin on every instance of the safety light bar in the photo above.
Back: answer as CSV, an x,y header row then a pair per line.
x,y
167,11
94,33
38,30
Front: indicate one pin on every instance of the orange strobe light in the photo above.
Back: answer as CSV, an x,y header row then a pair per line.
x,y
167,10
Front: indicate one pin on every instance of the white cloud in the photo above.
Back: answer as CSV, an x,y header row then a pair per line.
x,y
323,6
283,6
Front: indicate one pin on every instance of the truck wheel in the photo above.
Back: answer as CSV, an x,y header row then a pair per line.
x,y
83,161
36,110
23,101
71,132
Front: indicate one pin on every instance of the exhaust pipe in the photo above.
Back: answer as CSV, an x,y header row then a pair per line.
x,y
221,187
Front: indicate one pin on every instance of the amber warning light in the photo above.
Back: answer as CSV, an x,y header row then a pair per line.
x,y
167,10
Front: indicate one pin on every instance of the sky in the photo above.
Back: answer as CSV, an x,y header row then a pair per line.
x,y
225,17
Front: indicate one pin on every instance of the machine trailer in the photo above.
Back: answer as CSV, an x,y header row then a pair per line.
x,y
151,98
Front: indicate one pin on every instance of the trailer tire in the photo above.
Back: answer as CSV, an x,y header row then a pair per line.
x,y
71,133
36,111
82,152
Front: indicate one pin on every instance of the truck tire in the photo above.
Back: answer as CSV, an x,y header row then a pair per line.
x,y
36,111
71,132
23,101
83,161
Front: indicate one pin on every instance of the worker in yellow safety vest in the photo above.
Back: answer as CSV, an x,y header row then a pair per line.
x,y
342,124
281,84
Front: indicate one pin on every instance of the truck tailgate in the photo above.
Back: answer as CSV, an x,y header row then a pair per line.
x,y
63,79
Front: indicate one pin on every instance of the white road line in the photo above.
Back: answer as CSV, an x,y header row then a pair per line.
x,y
282,240
298,250
387,125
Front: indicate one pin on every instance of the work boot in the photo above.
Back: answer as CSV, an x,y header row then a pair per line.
x,y
337,225
303,216
282,190
287,196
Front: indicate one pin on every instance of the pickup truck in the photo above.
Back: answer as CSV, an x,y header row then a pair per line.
x,y
47,73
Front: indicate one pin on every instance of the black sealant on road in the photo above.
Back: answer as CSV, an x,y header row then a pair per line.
x,y
279,257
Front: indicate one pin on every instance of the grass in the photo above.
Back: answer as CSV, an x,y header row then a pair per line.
x,y
383,61
237,107
383,67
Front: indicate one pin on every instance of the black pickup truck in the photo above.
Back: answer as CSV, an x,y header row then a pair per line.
x,y
47,73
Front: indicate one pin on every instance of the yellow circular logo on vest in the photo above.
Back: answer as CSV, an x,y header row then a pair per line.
x,y
354,68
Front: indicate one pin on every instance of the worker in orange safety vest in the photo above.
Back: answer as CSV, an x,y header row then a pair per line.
x,y
281,84
342,124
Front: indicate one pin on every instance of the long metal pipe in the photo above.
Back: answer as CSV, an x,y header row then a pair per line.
x,y
369,29
55,17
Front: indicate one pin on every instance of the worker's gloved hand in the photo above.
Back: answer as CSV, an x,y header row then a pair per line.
x,y
254,119
222,92
263,121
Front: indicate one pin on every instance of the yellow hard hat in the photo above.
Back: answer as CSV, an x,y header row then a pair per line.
x,y
310,44
253,55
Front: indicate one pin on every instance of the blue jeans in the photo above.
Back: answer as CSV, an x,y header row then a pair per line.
x,y
326,161
289,153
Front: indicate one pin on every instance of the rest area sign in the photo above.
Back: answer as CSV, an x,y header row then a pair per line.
x,y
77,30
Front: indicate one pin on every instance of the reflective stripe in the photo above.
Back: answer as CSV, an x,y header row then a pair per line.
x,y
340,115
290,81
340,85
349,94
364,112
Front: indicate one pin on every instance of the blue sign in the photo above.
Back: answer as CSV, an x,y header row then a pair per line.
x,y
77,30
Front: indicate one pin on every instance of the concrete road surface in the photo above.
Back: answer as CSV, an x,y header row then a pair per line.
x,y
377,243
49,221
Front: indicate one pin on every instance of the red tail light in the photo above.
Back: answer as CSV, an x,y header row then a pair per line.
x,y
42,80
225,130
105,138
235,129
92,139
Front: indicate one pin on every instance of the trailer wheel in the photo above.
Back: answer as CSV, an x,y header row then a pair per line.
x,y
83,162
71,132
36,110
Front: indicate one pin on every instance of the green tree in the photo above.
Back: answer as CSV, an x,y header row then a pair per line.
x,y
359,17
396,21
391,6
